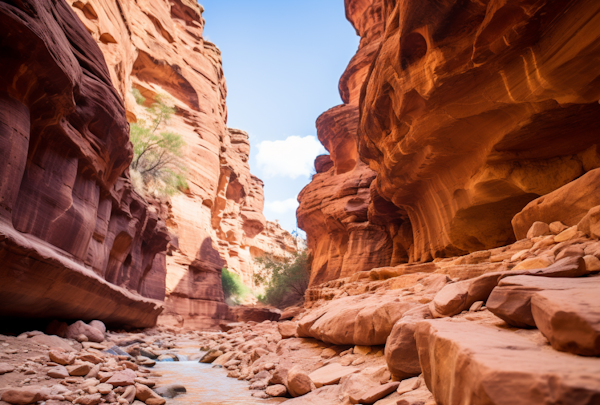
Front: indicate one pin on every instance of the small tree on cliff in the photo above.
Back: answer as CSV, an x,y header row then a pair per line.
x,y
157,163
286,281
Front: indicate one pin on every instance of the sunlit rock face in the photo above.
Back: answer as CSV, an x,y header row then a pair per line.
x,y
473,109
76,242
349,227
157,47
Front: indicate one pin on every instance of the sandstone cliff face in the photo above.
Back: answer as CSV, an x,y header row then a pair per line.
x,y
157,47
349,227
75,240
472,110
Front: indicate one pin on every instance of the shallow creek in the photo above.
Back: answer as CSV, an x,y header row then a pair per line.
x,y
204,384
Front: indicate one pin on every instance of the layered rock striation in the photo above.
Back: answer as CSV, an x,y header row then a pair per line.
x,y
472,110
349,227
75,240
157,47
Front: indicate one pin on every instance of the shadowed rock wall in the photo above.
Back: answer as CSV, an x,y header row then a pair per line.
x,y
158,47
75,241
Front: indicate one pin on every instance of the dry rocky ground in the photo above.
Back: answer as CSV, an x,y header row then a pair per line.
x,y
513,325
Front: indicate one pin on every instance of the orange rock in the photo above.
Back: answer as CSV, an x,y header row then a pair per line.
x,y
570,319
488,365
464,110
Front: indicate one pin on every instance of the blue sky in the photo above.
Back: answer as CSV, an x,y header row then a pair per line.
x,y
282,61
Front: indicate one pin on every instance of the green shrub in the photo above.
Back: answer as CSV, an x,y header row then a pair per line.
x,y
285,281
234,289
157,154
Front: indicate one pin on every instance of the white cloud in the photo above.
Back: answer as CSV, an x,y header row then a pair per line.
x,y
282,207
293,157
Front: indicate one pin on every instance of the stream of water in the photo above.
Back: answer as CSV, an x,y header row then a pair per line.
x,y
204,384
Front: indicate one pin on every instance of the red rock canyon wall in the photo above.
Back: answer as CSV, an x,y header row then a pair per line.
x,y
76,242
473,109
467,112
349,227
157,47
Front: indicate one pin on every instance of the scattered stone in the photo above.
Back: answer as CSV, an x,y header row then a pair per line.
x,y
457,297
99,325
298,382
145,381
376,393
145,352
93,399
6,368
570,319
410,384
81,328
288,329
104,388
93,345
538,229
148,396
570,266
362,350
210,356
359,361
557,227
260,394
79,369
61,357
592,264
328,353
170,391
122,378
567,234
58,372
24,395
476,306
534,263
93,372
330,374
278,390
129,394
53,342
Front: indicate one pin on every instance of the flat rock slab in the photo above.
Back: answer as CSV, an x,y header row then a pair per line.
x,y
464,362
376,393
511,300
331,374
570,319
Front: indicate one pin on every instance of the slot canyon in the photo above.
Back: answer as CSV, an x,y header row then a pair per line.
x,y
452,250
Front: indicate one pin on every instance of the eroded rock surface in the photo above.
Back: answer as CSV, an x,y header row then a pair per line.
x,y
466,111
158,48
75,240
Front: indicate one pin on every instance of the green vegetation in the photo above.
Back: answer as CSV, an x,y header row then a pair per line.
x,y
157,166
285,281
234,289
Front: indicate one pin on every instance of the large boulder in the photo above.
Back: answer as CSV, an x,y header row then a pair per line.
x,y
464,362
570,319
79,328
511,300
365,319
298,382
401,353
568,204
